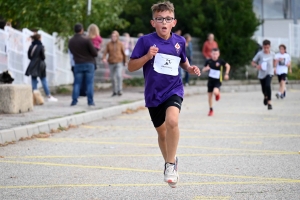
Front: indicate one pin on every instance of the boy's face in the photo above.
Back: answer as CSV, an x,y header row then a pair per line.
x,y
163,22
215,55
266,48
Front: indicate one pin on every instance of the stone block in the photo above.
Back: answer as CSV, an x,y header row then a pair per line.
x,y
20,132
44,128
32,130
16,99
8,135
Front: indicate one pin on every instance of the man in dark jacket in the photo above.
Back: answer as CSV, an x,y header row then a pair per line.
x,y
84,54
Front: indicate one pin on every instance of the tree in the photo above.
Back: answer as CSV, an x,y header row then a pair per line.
x,y
233,23
60,16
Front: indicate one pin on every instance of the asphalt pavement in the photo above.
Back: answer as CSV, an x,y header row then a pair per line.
x,y
243,152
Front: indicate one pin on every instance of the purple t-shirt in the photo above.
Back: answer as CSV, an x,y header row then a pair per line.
x,y
159,86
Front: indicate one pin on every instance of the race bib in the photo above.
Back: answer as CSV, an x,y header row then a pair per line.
x,y
214,73
166,64
264,66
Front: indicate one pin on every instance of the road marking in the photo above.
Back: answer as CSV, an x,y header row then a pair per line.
x,y
140,184
212,197
143,155
142,128
285,180
180,146
251,142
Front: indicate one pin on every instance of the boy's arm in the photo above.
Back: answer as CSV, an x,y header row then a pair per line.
x,y
190,69
206,68
255,60
227,71
136,64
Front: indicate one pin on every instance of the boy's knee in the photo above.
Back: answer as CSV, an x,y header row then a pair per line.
x,y
172,122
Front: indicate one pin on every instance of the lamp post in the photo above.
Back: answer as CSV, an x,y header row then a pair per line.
x,y
89,7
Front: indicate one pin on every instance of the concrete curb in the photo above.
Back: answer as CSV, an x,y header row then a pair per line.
x,y
15,134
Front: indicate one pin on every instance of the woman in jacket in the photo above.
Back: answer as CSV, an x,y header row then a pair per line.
x,y
37,65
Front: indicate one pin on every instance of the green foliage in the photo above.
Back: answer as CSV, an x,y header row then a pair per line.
x,y
295,75
134,82
232,21
60,16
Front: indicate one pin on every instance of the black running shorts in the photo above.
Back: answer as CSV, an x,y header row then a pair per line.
x,y
158,114
213,83
281,77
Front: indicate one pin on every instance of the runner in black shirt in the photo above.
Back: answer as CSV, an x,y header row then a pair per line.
x,y
215,67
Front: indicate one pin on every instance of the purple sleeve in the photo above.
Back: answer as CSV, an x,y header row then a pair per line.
x,y
139,49
183,54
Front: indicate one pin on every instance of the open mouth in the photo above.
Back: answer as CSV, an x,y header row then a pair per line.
x,y
164,28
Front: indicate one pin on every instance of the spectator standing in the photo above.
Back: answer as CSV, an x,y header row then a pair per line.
x,y
189,55
84,54
116,61
37,66
83,85
209,45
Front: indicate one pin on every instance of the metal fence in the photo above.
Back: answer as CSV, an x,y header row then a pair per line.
x,y
14,45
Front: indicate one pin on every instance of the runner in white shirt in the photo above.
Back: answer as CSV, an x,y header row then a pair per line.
x,y
282,66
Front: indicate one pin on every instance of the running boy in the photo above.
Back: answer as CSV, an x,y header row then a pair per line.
x,y
215,67
160,54
282,64
264,61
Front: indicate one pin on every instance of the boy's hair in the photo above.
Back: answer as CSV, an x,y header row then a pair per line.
x,y
266,42
283,46
163,6
93,31
215,49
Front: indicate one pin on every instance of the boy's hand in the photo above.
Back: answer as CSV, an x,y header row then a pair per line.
x,y
205,69
226,77
258,67
290,70
152,52
194,70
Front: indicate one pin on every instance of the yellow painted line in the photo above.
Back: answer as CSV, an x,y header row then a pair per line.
x,y
142,155
251,142
180,146
142,128
150,171
271,119
139,184
212,197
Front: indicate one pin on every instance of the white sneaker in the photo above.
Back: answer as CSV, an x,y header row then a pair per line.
x,y
171,174
52,99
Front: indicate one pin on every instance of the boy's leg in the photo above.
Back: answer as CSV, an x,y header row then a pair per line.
x,y
162,132
282,85
263,83
210,99
268,88
172,134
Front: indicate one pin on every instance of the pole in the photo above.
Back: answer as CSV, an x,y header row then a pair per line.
x,y
262,17
294,6
89,7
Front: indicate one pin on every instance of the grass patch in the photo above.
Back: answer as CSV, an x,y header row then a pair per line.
x,y
79,112
63,90
135,82
126,102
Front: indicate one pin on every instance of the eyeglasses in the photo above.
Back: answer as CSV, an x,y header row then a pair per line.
x,y
161,19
